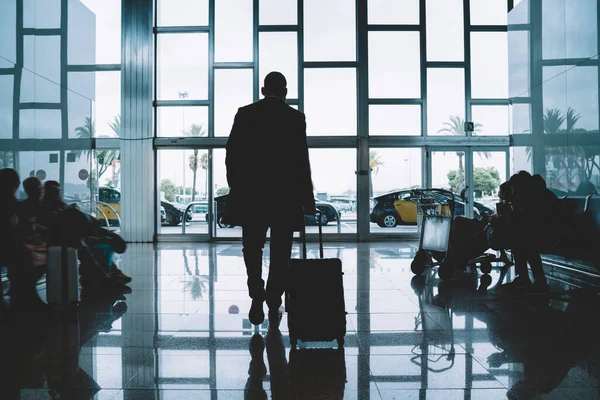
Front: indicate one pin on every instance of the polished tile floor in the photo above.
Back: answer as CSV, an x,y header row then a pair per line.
x,y
183,333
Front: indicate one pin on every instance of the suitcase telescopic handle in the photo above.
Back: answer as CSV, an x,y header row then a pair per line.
x,y
318,216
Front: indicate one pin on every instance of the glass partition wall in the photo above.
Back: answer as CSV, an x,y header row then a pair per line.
x,y
47,97
386,88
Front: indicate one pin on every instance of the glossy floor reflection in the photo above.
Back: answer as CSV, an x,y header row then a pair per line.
x,y
183,333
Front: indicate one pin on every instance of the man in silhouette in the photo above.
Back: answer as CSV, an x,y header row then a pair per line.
x,y
268,172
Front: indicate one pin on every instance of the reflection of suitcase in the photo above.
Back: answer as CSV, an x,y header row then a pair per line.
x,y
315,297
62,279
317,374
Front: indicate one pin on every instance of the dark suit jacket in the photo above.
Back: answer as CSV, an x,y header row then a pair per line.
x,y
268,168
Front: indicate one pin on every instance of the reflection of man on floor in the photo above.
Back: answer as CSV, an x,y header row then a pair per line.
x,y
267,150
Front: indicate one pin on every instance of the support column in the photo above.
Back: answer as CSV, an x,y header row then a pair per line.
x,y
137,157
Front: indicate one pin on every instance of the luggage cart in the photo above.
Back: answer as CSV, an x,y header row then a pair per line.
x,y
434,222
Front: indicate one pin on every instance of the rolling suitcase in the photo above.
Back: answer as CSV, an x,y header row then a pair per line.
x,y
315,297
62,278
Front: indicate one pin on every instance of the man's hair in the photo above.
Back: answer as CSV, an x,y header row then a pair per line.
x,y
9,181
275,82
33,187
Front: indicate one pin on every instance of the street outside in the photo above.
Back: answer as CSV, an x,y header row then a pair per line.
x,y
348,224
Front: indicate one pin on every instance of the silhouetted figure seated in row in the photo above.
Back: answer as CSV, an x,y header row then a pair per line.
x,y
30,227
528,222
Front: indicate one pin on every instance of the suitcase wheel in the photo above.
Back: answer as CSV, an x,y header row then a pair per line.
x,y
340,342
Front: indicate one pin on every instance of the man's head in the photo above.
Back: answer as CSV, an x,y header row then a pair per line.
x,y
33,188
275,85
52,192
9,181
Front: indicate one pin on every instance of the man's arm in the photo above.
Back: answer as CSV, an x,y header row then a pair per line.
x,y
308,198
234,150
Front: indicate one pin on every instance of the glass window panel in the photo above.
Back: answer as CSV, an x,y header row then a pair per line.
x,y
176,185
518,62
555,99
174,121
182,12
582,29
40,124
233,30
107,37
521,159
395,120
182,66
104,88
489,172
394,70
233,89
489,65
6,106
521,118
405,12
445,30
41,77
490,120
448,172
445,100
8,22
571,168
80,114
553,29
582,99
278,51
334,183
278,12
30,162
329,30
485,12
394,171
520,13
75,189
40,14
221,186
330,101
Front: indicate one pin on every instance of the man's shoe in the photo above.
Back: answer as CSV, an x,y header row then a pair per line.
x,y
256,314
275,316
519,284
118,275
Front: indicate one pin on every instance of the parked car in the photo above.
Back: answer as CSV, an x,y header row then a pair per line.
x,y
329,212
163,215
109,198
174,213
399,208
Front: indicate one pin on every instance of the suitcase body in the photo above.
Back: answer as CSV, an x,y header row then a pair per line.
x,y
315,298
62,278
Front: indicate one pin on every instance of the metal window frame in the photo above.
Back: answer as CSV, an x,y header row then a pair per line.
x,y
362,142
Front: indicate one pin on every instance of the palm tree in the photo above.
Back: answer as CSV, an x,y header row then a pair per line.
x,y
375,162
195,130
456,127
104,158
86,131
6,159
553,120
